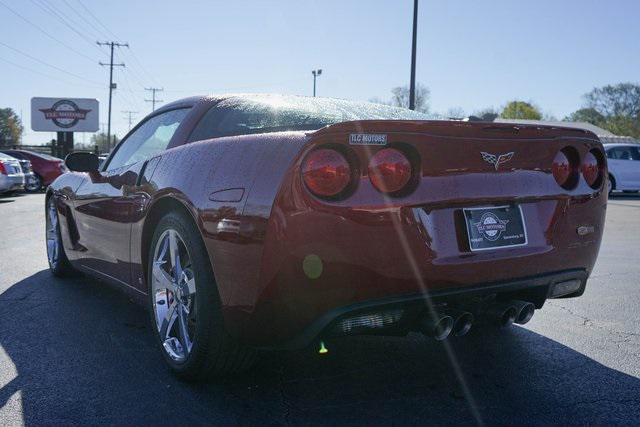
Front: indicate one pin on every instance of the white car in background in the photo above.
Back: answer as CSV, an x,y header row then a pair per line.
x,y
624,166
11,176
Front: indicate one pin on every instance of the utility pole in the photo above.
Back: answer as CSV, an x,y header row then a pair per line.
x,y
153,99
112,85
412,84
315,73
130,118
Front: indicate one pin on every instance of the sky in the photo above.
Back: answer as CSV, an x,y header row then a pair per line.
x,y
471,54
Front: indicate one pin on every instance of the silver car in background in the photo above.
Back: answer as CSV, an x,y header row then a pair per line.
x,y
623,161
11,176
31,182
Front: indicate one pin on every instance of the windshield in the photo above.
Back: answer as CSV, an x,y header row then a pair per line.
x,y
241,115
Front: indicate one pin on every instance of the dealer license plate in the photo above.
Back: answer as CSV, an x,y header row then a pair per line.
x,y
495,227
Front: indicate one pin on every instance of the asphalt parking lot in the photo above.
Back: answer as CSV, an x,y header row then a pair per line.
x,y
79,352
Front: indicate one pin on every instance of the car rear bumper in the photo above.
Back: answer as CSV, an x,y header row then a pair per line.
x,y
11,183
404,310
322,262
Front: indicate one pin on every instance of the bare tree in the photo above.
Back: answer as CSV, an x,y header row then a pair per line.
x,y
400,97
456,113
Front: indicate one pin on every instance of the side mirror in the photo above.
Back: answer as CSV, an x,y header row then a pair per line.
x,y
82,162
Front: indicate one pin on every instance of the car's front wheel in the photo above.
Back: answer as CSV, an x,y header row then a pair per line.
x,y
185,310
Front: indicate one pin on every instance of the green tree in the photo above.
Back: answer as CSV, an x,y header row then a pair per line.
x,y
622,99
487,114
589,115
623,125
10,127
520,110
615,108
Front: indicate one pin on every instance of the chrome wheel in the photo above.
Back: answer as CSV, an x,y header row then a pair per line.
x,y
52,234
34,184
173,290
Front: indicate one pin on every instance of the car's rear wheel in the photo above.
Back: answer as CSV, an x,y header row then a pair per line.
x,y
611,185
185,307
58,262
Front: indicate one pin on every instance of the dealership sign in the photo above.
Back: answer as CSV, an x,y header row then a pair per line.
x,y
64,114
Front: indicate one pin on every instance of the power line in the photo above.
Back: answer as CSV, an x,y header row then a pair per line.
x,y
112,86
130,52
133,101
33,58
65,21
90,25
137,77
96,19
153,99
130,116
46,33
36,71
144,70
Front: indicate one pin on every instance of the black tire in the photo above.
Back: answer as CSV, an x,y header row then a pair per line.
x,y
214,352
613,185
60,267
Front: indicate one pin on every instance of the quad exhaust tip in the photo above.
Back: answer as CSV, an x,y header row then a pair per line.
x,y
451,321
462,322
525,311
504,314
508,313
436,326
439,326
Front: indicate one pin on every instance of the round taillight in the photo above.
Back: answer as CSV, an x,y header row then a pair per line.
x,y
326,172
562,168
565,168
592,168
389,170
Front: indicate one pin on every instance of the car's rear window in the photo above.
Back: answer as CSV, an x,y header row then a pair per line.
x,y
242,115
626,152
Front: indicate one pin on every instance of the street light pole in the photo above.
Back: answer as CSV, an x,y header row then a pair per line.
x,y
315,73
412,85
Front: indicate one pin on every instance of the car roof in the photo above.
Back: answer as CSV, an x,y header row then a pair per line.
x,y
193,100
42,156
5,156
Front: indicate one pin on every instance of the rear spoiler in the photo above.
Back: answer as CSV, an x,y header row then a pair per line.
x,y
451,128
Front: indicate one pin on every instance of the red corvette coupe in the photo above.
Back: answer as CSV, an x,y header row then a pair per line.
x,y
249,222
45,168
